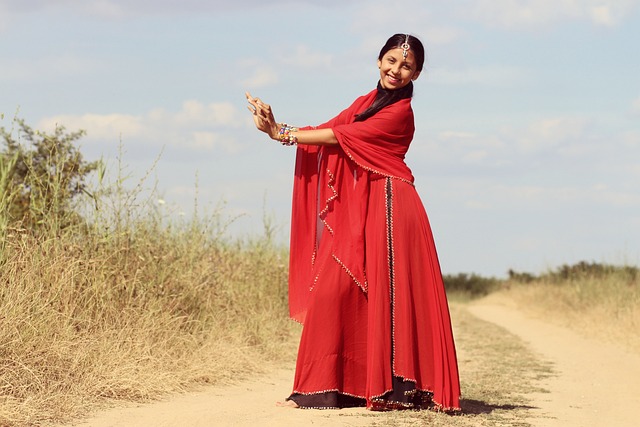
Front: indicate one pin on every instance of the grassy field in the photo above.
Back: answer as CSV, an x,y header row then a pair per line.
x,y
131,306
593,299
132,317
107,295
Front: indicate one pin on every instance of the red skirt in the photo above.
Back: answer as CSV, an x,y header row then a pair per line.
x,y
393,346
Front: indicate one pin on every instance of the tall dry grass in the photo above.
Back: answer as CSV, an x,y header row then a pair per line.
x,y
598,300
131,305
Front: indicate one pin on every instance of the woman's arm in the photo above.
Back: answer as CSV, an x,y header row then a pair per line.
x,y
314,136
265,122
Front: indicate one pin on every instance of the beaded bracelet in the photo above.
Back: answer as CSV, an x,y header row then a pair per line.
x,y
284,135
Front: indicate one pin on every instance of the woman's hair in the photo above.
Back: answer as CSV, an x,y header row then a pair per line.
x,y
387,97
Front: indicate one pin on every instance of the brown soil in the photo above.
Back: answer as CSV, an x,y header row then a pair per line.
x,y
592,384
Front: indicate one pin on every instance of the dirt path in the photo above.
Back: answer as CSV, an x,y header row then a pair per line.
x,y
596,384
249,404
593,385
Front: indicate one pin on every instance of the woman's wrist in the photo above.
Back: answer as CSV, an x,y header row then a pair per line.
x,y
286,134
275,131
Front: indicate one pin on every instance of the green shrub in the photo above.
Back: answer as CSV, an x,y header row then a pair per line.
x,y
471,285
40,175
579,271
584,269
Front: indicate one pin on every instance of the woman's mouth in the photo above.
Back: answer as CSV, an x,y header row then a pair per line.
x,y
392,79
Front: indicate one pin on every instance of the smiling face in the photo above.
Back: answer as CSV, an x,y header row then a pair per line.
x,y
396,71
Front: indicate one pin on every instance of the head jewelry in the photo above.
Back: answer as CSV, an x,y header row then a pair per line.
x,y
405,47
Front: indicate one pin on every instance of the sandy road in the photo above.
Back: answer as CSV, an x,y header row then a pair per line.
x,y
594,385
597,384
250,404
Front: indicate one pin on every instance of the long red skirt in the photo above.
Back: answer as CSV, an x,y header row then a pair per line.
x,y
393,346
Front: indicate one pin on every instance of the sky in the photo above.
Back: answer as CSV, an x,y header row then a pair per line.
x,y
527,146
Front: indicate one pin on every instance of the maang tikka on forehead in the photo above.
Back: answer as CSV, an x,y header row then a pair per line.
x,y
405,47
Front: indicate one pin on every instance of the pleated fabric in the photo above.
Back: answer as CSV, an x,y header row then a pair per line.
x,y
364,273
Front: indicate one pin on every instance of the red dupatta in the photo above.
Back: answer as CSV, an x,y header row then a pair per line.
x,y
330,193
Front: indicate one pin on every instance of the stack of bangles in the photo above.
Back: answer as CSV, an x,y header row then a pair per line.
x,y
284,134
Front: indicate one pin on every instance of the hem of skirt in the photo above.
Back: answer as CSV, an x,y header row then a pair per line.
x,y
382,405
327,399
405,395
334,399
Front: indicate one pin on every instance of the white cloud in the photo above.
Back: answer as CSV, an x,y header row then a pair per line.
x,y
531,14
4,17
209,141
601,15
66,65
631,139
198,126
100,126
553,132
374,21
542,197
260,74
117,8
442,35
635,106
490,75
475,156
616,198
467,147
452,135
110,9
303,57
551,148
105,9
196,113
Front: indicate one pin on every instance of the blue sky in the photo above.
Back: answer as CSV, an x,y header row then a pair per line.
x,y
527,149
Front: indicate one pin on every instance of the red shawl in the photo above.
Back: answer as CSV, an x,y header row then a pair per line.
x,y
330,193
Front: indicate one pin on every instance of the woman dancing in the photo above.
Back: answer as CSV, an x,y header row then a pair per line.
x,y
364,276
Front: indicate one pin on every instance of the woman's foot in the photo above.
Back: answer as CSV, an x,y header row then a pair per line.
x,y
287,404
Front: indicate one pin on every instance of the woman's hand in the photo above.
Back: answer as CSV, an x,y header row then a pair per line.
x,y
263,116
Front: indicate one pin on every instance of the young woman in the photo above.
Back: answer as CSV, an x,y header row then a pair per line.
x,y
364,276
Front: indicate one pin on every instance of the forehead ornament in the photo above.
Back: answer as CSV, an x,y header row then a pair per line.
x,y
405,47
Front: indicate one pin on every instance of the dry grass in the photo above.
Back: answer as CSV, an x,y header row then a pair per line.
x,y
124,302
133,314
604,306
109,297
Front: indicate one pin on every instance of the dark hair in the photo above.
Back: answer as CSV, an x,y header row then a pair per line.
x,y
387,97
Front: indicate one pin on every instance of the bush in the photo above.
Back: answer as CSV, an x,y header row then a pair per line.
x,y
583,269
471,285
40,175
578,271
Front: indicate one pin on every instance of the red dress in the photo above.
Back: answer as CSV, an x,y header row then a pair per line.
x,y
364,274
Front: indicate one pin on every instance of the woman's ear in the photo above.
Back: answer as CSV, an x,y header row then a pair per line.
x,y
415,75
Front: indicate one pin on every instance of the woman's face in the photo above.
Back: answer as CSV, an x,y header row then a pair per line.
x,y
395,71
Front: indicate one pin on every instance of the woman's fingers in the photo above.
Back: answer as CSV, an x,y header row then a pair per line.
x,y
252,101
262,114
256,102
